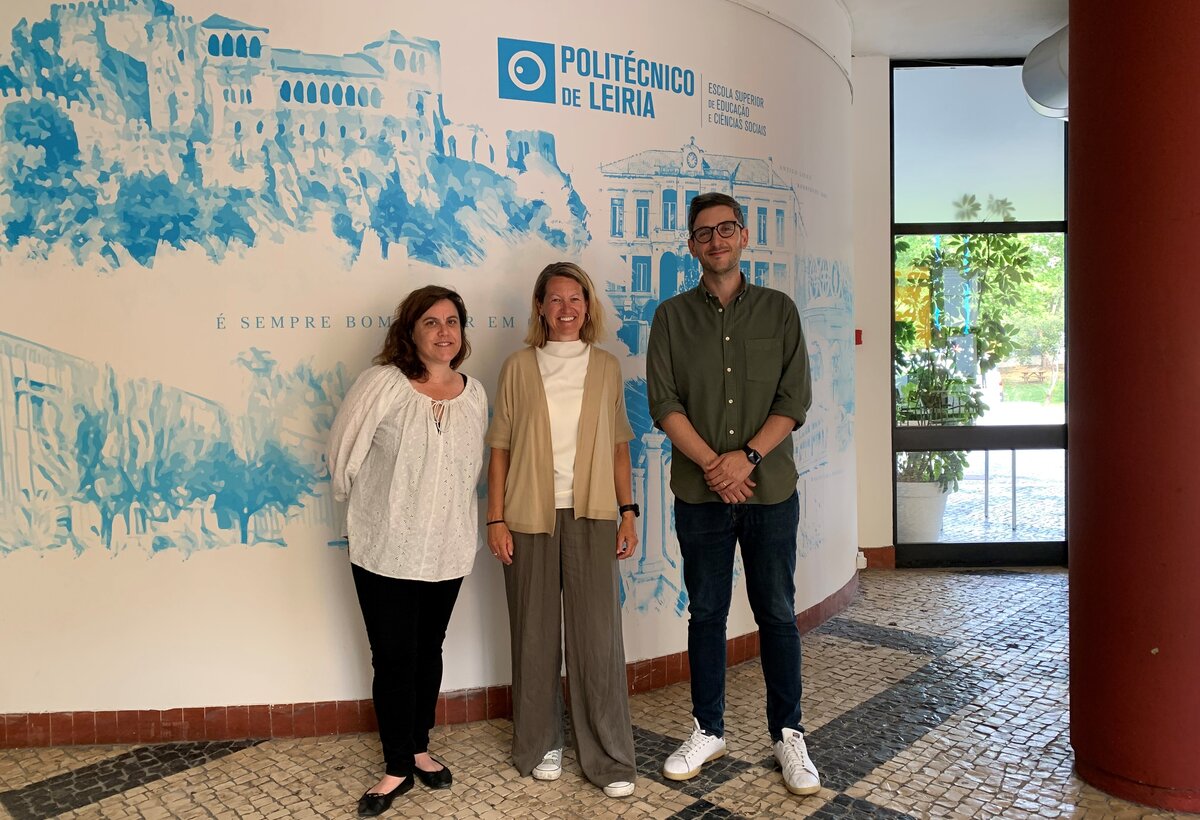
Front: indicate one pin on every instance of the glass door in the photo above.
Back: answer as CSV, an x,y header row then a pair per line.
x,y
979,346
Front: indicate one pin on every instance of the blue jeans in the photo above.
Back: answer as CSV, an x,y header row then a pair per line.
x,y
707,535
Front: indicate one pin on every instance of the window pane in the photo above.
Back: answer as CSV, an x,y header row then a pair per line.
x,y
669,202
977,503
968,131
980,329
641,274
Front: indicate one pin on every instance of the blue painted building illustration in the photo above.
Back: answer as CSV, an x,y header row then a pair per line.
x,y
90,460
648,195
825,299
150,129
128,130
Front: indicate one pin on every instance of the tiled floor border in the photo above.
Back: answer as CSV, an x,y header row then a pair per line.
x,y
851,745
263,721
90,784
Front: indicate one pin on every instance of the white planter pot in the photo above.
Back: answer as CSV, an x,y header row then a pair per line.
x,y
920,506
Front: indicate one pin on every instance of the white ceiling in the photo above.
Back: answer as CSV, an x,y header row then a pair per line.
x,y
916,29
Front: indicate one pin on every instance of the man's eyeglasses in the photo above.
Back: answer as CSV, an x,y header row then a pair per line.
x,y
724,230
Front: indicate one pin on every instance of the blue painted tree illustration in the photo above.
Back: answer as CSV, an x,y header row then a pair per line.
x,y
167,449
47,201
100,452
312,396
245,483
143,448
390,213
36,55
260,461
149,210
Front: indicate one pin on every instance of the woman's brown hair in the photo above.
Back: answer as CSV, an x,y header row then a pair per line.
x,y
399,348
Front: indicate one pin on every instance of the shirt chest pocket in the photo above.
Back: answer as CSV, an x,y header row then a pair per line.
x,y
764,360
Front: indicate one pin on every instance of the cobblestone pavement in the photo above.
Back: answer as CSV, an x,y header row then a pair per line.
x,y
936,694
1041,512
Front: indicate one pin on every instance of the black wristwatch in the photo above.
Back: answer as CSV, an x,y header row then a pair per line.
x,y
753,455
633,508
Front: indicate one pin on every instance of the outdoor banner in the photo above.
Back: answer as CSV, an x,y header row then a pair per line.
x,y
208,213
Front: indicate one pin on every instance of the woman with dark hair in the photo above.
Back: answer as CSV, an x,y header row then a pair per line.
x,y
406,450
559,481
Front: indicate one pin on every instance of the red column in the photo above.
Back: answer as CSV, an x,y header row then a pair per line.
x,y
1133,253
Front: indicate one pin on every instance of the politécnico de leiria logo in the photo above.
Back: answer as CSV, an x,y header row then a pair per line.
x,y
615,82
526,69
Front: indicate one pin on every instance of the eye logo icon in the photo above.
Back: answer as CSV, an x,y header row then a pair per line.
x,y
526,69
520,63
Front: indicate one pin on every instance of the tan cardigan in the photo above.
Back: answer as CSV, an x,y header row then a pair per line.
x,y
521,425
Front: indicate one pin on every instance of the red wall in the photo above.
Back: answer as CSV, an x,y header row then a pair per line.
x,y
1134,414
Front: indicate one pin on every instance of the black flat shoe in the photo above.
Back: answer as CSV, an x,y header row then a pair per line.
x,y
441,779
373,804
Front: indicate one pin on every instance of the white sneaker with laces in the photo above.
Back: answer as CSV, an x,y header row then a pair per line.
x,y
620,788
551,766
685,762
799,772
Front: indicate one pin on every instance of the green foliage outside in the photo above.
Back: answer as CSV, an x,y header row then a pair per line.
x,y
1018,391
1000,294
1040,317
1021,291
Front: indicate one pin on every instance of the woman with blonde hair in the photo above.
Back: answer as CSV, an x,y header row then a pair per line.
x,y
560,514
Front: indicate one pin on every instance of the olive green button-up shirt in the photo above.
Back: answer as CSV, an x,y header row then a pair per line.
x,y
727,368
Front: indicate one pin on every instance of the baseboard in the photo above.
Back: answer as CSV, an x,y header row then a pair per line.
x,y
342,716
880,557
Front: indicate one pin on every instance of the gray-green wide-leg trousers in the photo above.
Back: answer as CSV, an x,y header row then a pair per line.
x,y
569,578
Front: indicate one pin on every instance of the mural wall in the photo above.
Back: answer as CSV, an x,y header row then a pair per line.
x,y
205,223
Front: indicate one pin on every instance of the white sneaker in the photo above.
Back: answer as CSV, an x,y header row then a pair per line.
x,y
551,766
685,762
799,773
621,788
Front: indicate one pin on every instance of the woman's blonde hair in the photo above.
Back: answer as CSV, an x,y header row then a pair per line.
x,y
593,324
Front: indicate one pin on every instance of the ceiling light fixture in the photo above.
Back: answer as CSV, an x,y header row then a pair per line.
x,y
1045,76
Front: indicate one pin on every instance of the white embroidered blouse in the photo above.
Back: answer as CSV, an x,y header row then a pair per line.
x,y
409,466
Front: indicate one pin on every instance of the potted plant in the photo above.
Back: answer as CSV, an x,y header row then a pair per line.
x,y
953,299
930,391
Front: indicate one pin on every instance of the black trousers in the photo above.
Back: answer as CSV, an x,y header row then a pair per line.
x,y
406,626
